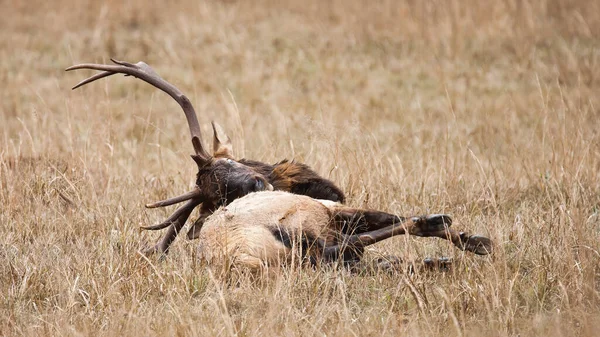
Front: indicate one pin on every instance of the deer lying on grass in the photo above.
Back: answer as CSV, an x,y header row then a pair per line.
x,y
317,219
266,229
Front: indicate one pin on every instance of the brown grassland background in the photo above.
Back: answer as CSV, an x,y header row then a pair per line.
x,y
486,110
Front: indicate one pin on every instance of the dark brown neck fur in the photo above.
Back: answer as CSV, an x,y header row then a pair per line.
x,y
297,178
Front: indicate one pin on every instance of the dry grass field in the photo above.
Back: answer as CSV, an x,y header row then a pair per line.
x,y
486,110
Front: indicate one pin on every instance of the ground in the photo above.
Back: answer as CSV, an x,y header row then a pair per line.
x,y
485,110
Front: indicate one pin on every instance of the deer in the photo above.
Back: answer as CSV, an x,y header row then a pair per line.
x,y
223,181
272,229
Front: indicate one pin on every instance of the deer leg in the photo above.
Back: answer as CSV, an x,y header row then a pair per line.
x,y
477,244
356,221
353,221
394,264
351,247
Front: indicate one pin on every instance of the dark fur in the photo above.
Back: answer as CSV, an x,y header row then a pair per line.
x,y
285,175
297,178
305,243
225,180
220,179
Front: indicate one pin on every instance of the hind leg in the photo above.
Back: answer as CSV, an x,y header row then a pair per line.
x,y
355,221
351,247
394,264
380,225
477,244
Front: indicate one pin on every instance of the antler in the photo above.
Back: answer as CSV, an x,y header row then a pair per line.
x,y
195,193
180,215
145,73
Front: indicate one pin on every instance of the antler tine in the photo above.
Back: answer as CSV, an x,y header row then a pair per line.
x,y
145,73
92,79
175,200
185,209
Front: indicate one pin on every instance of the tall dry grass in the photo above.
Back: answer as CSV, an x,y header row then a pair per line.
x,y
487,110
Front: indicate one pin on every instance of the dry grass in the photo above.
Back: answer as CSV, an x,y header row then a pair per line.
x,y
487,110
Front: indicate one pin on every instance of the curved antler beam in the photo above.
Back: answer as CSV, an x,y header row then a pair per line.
x,y
145,73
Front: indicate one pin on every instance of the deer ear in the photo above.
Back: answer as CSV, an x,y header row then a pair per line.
x,y
222,147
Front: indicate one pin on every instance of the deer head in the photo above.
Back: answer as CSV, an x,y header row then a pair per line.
x,y
220,178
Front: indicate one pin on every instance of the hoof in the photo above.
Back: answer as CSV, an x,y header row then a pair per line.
x,y
432,223
388,263
478,244
442,264
395,265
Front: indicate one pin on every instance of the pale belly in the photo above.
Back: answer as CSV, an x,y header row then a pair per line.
x,y
264,229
